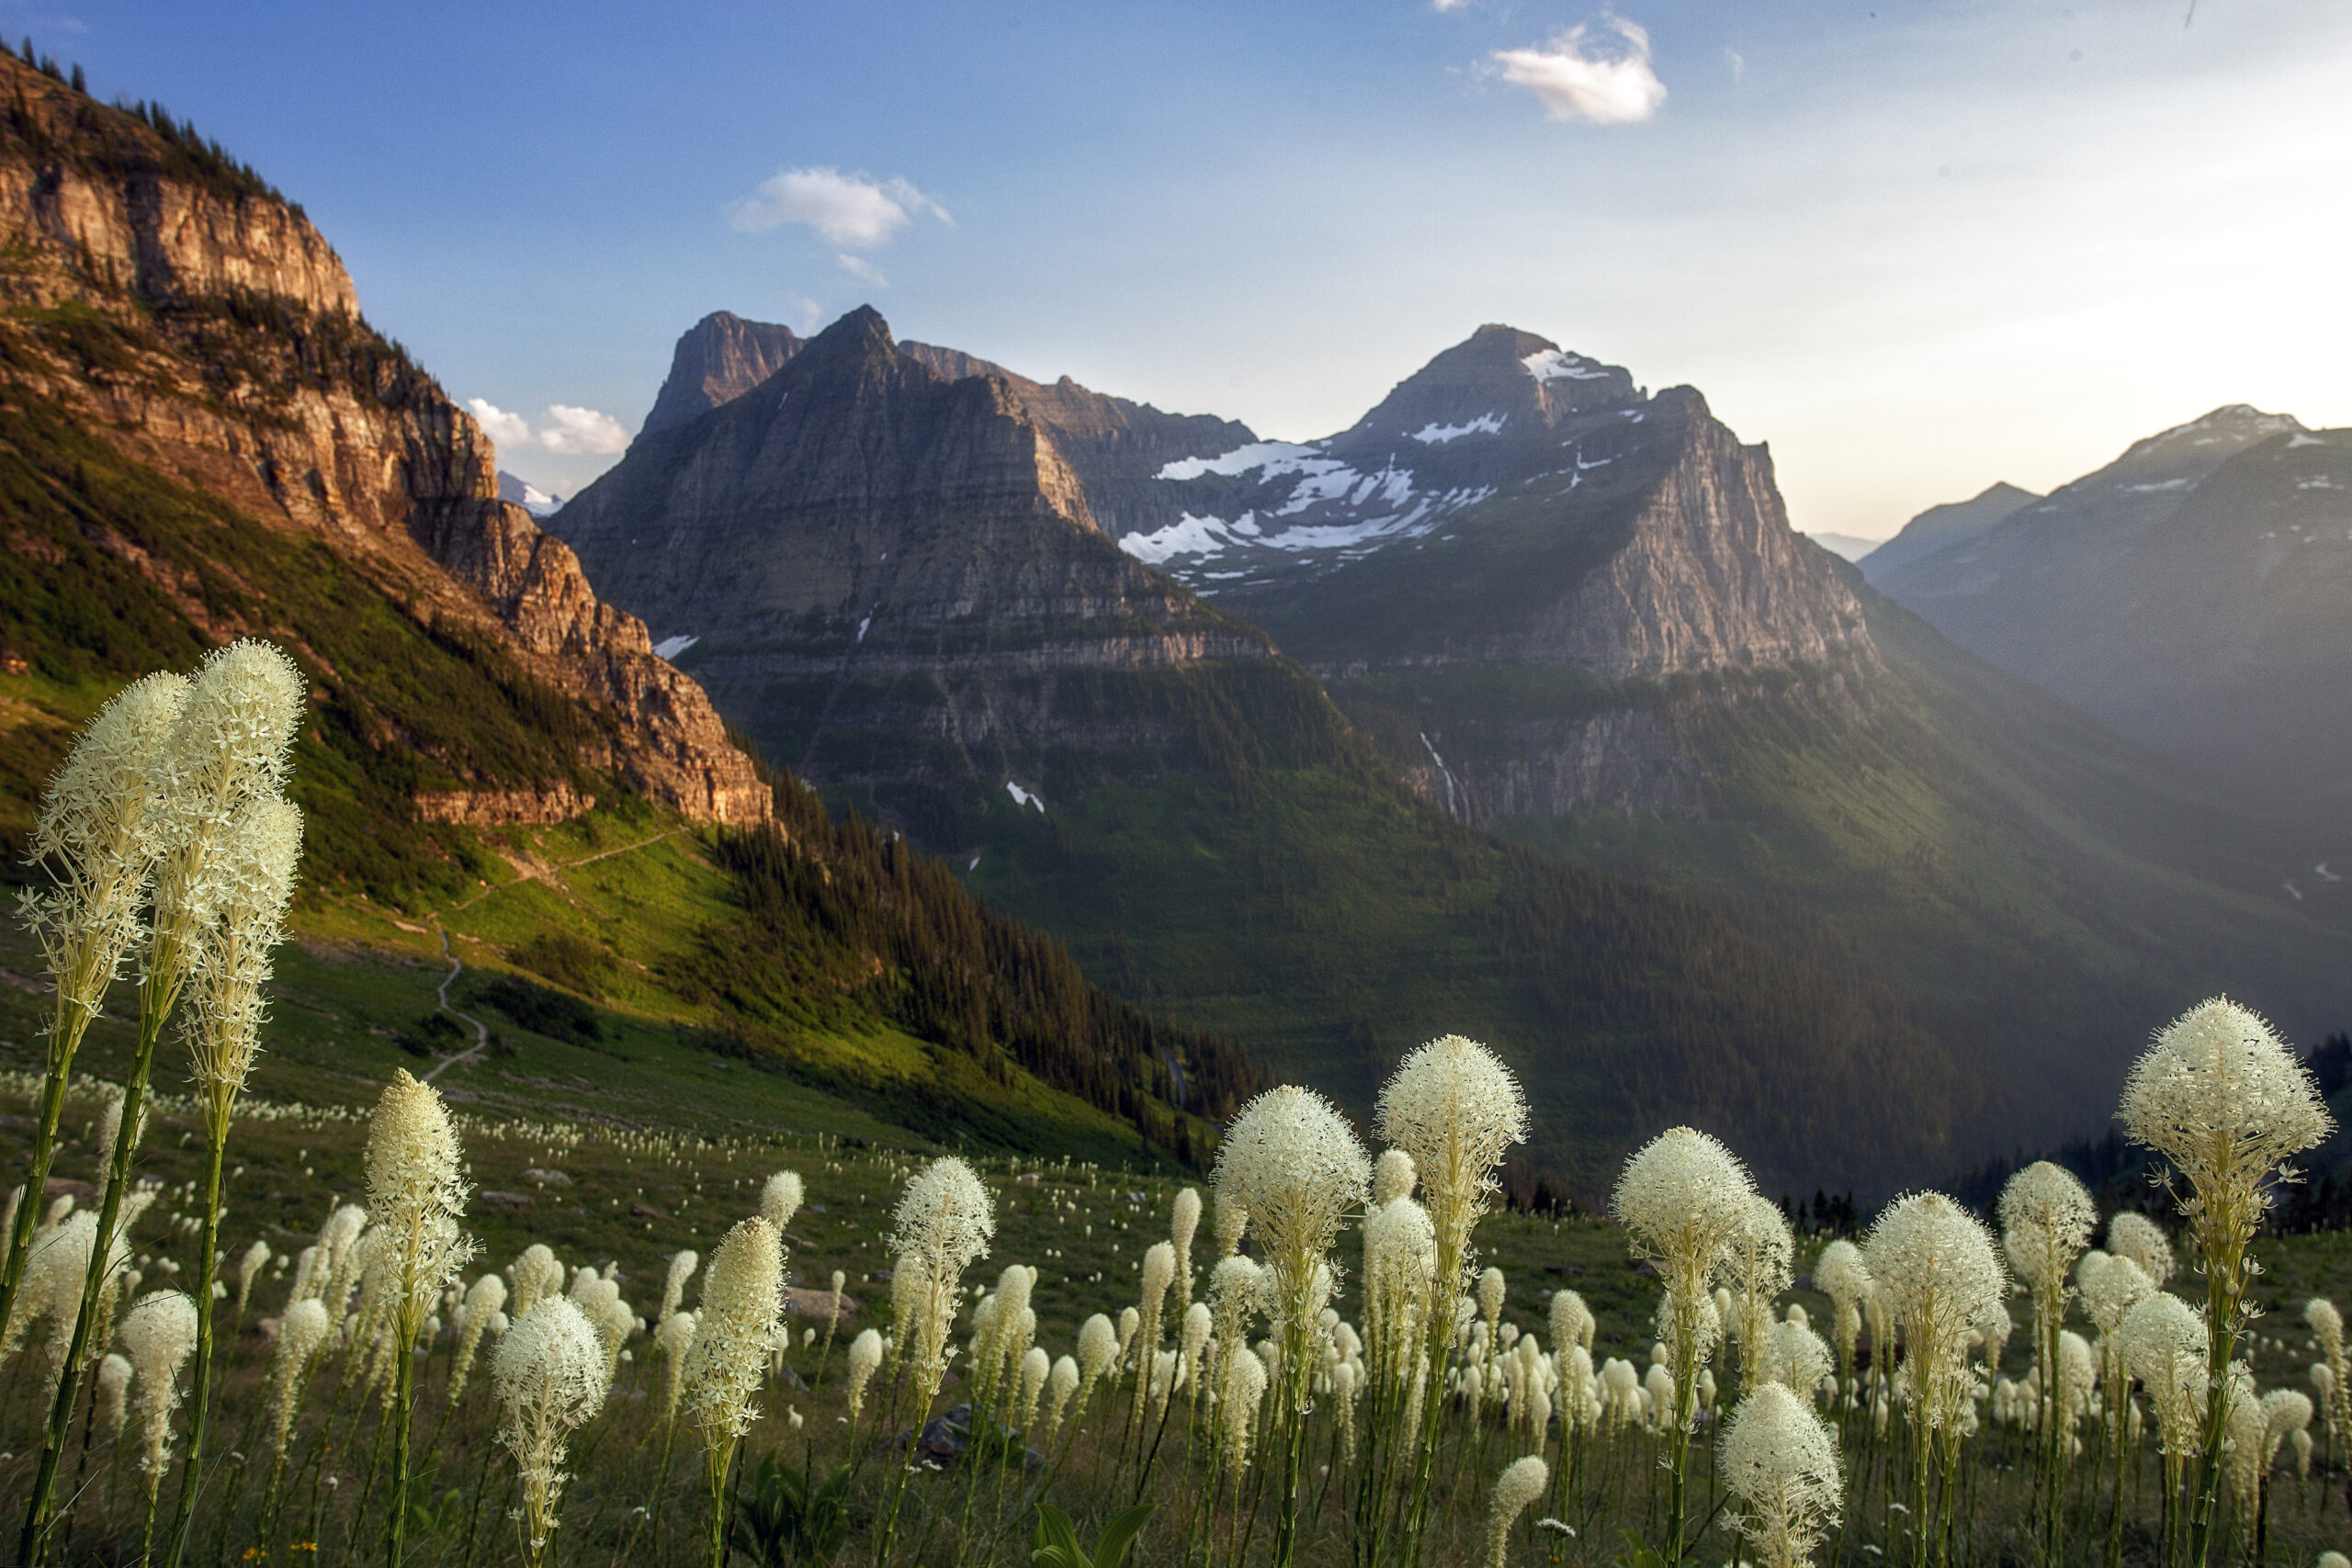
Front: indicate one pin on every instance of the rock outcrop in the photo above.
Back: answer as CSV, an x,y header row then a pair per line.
x,y
886,574
720,357
201,321
1515,507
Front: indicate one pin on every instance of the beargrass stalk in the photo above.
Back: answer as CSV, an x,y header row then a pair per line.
x,y
92,835
2225,1099
742,1297
415,1194
227,971
1454,1109
1684,1198
944,1221
2046,1222
1941,1277
227,749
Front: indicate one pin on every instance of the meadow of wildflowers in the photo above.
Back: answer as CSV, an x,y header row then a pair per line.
x,y
409,1326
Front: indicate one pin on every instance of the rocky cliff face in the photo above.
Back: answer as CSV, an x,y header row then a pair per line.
x,y
185,309
886,574
1516,515
720,357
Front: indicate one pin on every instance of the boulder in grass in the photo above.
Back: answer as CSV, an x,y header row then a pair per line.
x,y
505,1202
817,1305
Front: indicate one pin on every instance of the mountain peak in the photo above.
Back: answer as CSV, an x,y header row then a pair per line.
x,y
1499,378
718,359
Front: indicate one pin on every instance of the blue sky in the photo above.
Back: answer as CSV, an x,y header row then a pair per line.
x,y
1917,246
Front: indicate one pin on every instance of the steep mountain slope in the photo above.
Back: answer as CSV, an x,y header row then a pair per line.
x,y
1941,527
1584,623
898,581
720,357
200,437
2191,594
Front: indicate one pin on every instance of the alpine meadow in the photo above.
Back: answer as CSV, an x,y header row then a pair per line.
x,y
919,966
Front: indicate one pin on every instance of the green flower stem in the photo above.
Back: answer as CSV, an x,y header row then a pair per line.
x,y
158,996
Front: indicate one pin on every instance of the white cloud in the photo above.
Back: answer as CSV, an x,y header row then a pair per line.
x,y
859,267
849,211
1447,4
582,430
506,429
1606,81
1738,64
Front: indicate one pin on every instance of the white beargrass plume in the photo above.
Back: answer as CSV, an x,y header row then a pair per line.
x,y
1059,1385
1758,1264
1797,1359
1684,1199
864,1360
2134,1236
2047,1219
675,1337
536,1274
158,1331
1840,1274
303,1333
1781,1462
1246,1383
1158,1273
2327,1325
742,1296
781,1199
485,1299
249,1267
1521,1482
682,1265
114,1388
1293,1163
1392,1178
1572,1322
1453,1110
1036,1367
1183,1222
1098,1351
2228,1102
252,880
944,1221
1400,1266
548,1371
414,1196
1232,1224
1939,1274
2164,1346
90,832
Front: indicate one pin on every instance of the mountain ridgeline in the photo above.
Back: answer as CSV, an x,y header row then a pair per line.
x,y
202,438
2191,594
1517,708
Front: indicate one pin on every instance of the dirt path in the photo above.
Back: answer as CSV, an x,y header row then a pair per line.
x,y
481,1029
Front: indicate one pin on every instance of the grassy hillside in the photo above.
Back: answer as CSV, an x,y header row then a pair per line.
x,y
2043,892
1285,892
835,953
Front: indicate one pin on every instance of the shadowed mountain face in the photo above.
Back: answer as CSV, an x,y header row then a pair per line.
x,y
253,457
1941,527
906,584
721,357
2191,594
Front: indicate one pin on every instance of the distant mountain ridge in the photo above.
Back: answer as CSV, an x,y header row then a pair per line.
x,y
720,357
2191,594
1567,614
1941,527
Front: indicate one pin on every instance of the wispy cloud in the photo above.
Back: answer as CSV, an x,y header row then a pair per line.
x,y
850,212
1603,79
506,429
566,429
582,430
862,269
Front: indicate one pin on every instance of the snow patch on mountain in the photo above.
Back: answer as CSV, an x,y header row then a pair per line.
x,y
1555,364
1436,435
1190,536
670,646
1277,458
